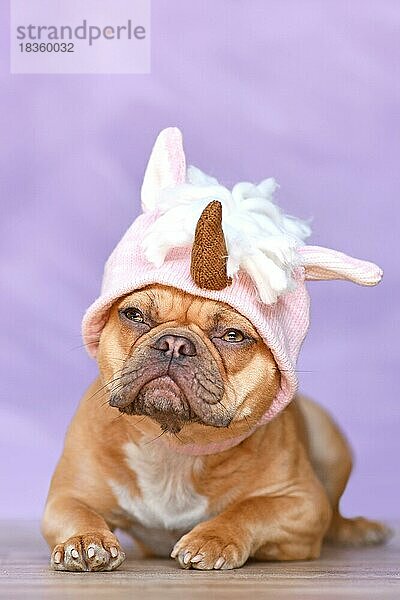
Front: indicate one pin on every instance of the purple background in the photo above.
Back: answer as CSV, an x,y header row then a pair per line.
x,y
306,91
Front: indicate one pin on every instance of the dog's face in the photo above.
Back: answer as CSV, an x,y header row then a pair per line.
x,y
187,363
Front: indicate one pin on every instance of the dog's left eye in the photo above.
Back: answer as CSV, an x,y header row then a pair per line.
x,y
133,314
233,335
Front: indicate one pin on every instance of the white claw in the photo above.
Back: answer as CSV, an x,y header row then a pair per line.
x,y
197,558
219,563
114,551
175,551
186,558
57,557
90,552
74,553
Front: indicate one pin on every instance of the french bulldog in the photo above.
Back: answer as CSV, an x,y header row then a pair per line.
x,y
177,370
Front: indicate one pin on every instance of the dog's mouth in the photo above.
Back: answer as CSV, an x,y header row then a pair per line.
x,y
174,382
162,400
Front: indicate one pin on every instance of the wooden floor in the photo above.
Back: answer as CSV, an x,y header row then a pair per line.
x,y
340,573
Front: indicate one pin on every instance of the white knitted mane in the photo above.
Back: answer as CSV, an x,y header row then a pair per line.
x,y
260,239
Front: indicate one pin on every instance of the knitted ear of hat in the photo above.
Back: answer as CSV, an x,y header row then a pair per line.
x,y
235,246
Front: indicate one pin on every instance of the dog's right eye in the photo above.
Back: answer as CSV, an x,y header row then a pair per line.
x,y
133,314
233,335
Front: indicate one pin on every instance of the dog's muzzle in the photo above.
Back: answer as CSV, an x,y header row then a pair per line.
x,y
175,380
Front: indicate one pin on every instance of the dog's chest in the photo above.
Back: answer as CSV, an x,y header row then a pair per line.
x,y
167,501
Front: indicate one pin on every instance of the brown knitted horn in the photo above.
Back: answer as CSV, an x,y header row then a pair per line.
x,y
209,254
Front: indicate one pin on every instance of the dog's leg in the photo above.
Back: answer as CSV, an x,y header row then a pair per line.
x,y
280,527
330,455
80,538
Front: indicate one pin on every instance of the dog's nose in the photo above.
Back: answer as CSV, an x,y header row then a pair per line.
x,y
175,346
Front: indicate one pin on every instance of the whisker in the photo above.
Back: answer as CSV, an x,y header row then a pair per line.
x,y
118,388
248,424
140,420
177,437
117,418
109,382
295,371
84,345
156,438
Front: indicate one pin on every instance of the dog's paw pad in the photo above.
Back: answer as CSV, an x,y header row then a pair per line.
x,y
89,552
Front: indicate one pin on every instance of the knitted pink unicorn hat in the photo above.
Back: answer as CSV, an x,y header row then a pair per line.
x,y
262,268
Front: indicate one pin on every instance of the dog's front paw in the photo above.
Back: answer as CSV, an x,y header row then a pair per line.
x,y
88,552
207,547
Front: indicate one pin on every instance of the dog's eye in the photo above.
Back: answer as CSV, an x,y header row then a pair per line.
x,y
133,314
233,335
